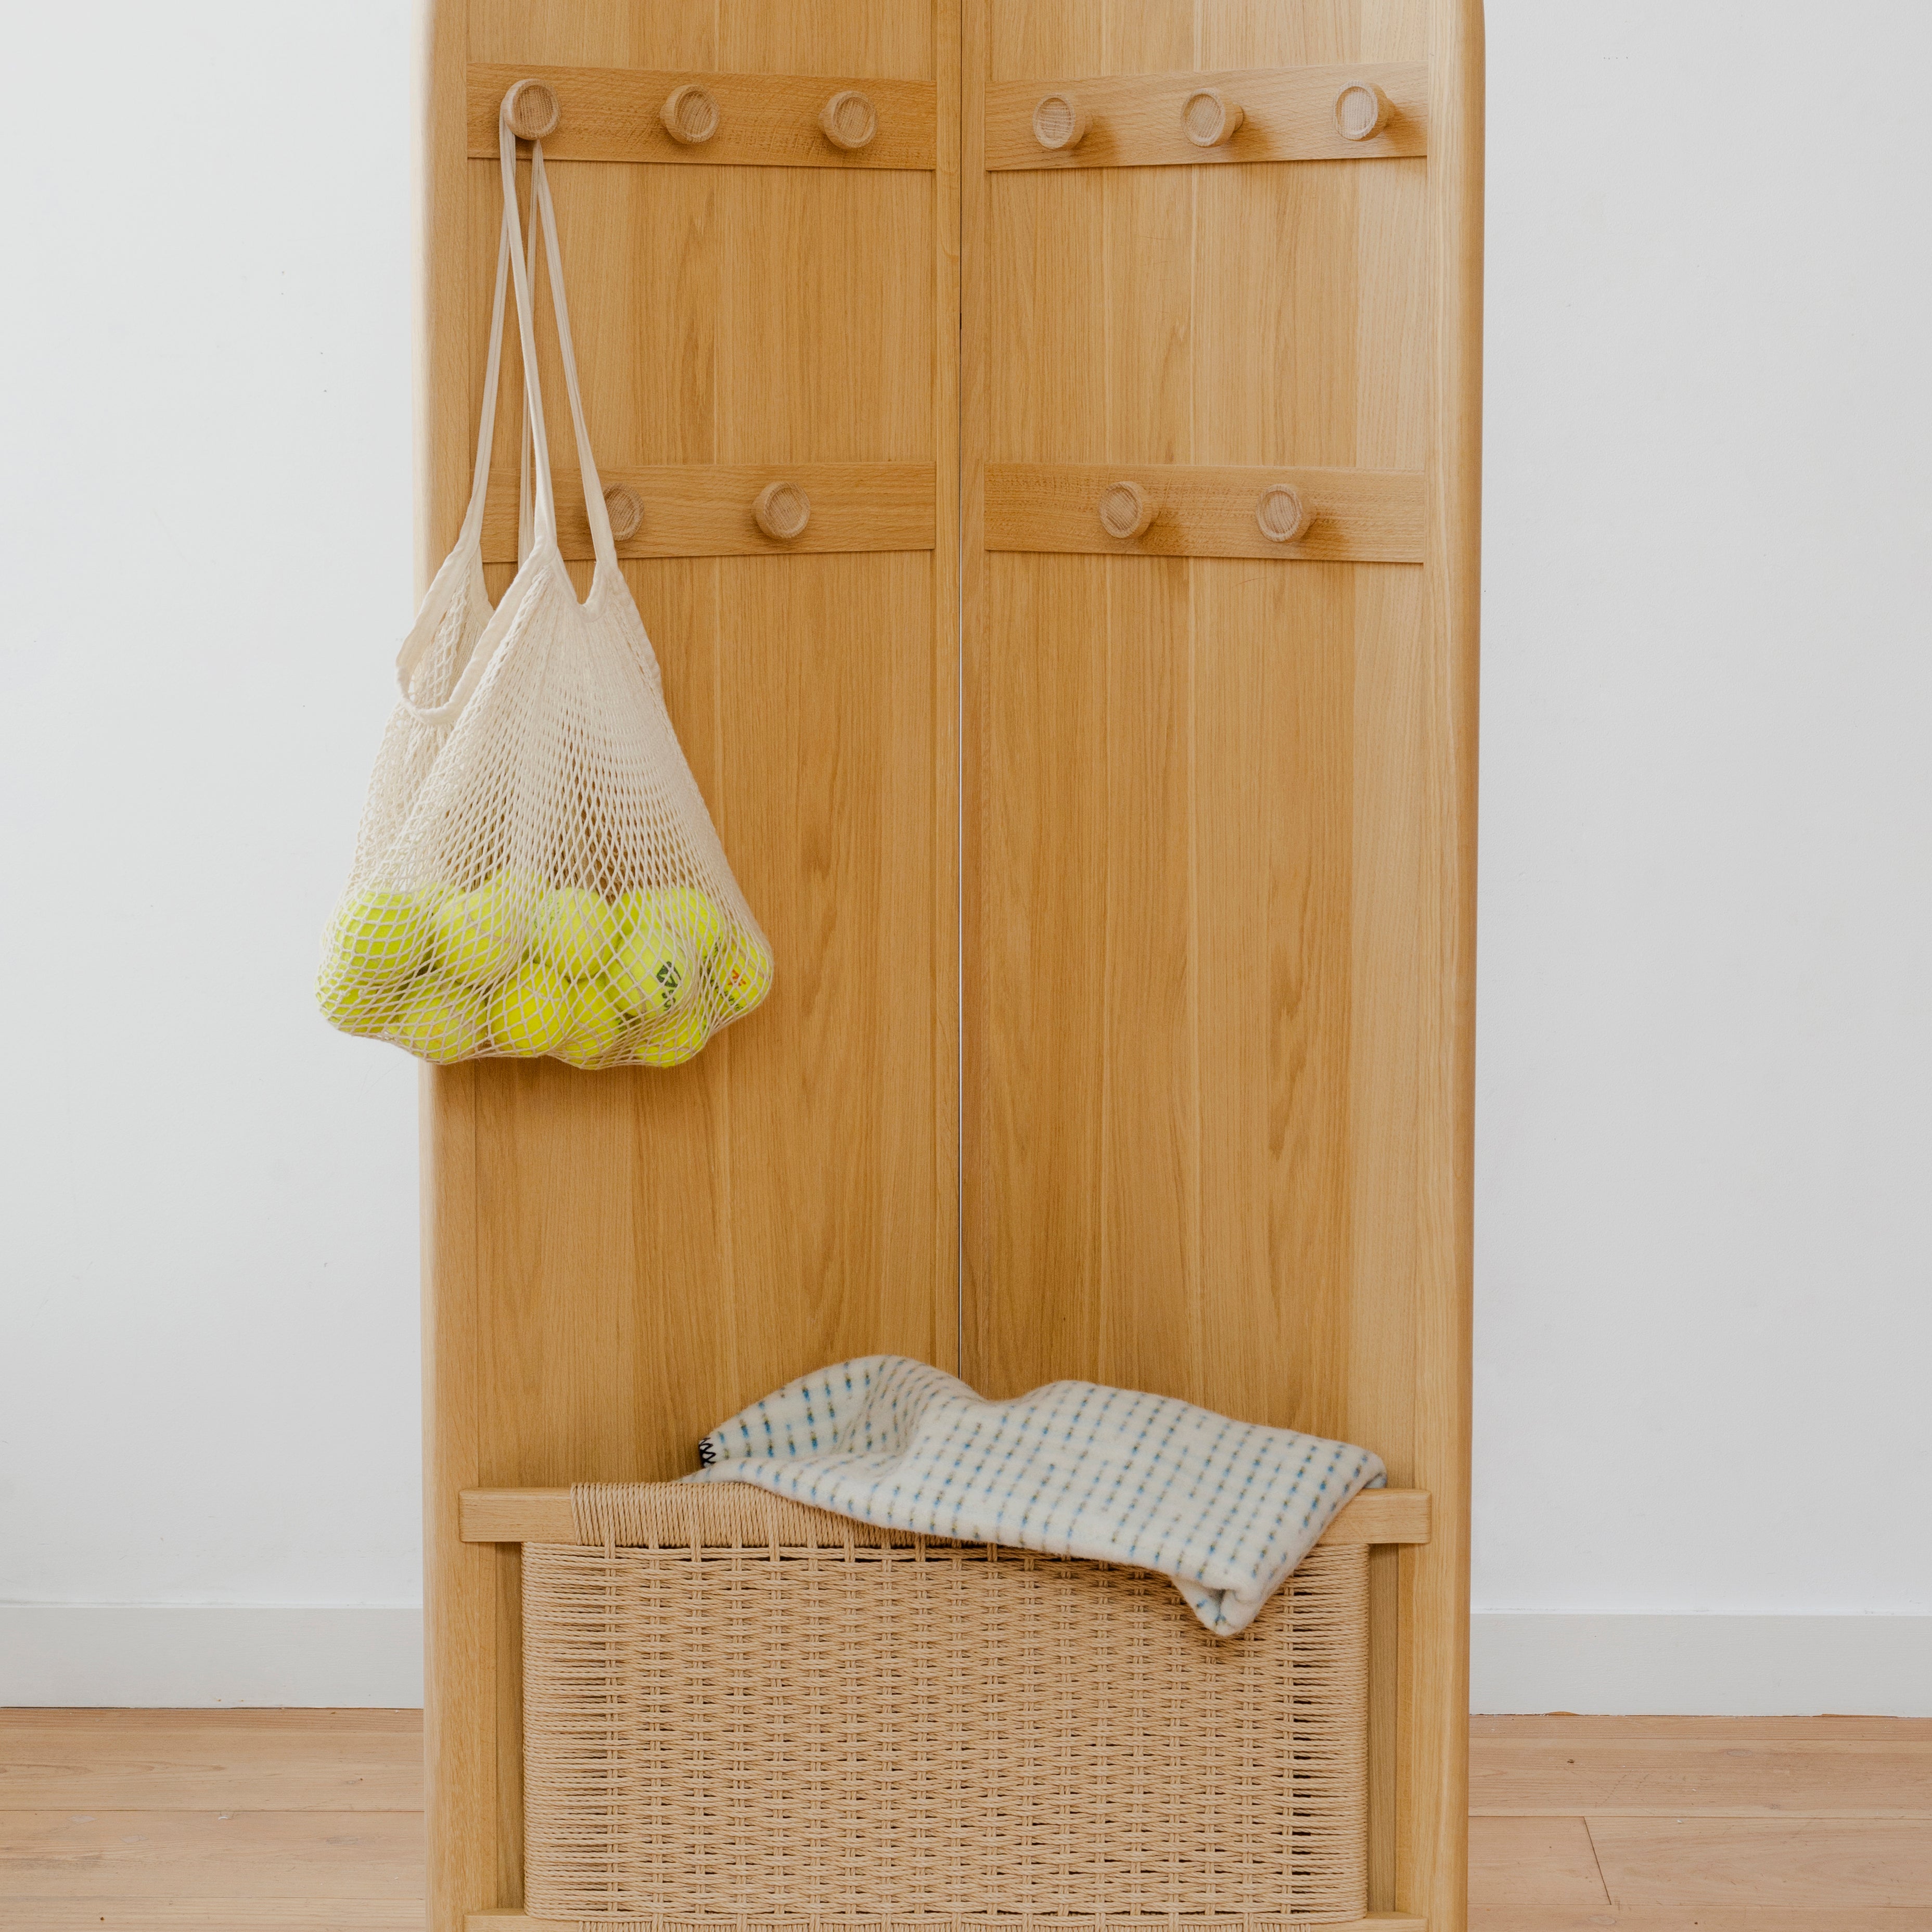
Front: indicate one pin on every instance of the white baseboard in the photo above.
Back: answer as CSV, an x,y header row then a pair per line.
x,y
1701,1666
198,1655
135,1654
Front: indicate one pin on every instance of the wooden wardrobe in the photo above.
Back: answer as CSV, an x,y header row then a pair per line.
x,y
1116,844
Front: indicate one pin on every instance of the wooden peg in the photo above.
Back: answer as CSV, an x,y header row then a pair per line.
x,y
782,511
531,110
1362,111
1282,514
689,116
849,121
1210,119
1125,510
1059,122
626,513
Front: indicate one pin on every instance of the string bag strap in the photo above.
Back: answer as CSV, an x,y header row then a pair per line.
x,y
544,529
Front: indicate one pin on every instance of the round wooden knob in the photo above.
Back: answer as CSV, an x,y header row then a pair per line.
x,y
689,116
530,110
625,512
1059,122
1125,510
849,120
1209,119
1362,111
782,511
1282,514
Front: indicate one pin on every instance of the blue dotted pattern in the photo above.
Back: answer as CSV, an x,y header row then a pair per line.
x,y
1227,1509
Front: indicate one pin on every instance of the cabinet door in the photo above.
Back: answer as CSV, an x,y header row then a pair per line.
x,y
619,1260
1219,447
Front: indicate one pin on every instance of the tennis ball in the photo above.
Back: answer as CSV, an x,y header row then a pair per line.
x,y
351,1003
573,931
696,917
479,933
596,1019
651,972
441,1020
529,1013
743,973
379,936
670,1042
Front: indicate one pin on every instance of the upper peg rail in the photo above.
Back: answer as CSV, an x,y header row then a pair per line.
x,y
712,120
1364,111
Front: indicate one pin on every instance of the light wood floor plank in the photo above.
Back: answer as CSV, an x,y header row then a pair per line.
x,y
1533,1861
214,1760
257,1856
1763,1861
301,1722
1785,1777
216,1914
1697,1918
1708,1730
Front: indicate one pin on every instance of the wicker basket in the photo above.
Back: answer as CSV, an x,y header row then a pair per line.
x,y
741,1711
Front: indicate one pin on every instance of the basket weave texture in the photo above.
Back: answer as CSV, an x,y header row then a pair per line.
x,y
740,1711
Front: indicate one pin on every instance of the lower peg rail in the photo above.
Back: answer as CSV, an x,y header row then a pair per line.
x,y
737,509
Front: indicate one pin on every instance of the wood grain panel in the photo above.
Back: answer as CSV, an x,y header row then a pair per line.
x,y
705,510
1360,516
1218,838
1288,115
1788,1862
764,120
615,1264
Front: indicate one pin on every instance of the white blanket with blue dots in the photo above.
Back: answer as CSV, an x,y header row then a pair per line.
x,y
1227,1509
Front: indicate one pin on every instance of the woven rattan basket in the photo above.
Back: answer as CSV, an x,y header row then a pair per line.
x,y
741,1711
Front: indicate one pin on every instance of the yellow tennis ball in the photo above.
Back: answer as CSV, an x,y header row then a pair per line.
x,y
573,930
596,1019
479,933
670,1042
441,1020
696,917
742,973
529,1013
352,1004
378,937
651,972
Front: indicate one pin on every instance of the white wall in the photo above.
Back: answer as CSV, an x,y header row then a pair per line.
x,y
208,1302
1704,1264
1704,1320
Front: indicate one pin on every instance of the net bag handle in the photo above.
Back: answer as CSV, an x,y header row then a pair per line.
x,y
539,534
601,541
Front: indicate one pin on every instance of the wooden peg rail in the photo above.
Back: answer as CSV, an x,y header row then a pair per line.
x,y
714,120
736,509
1183,120
545,1515
1353,516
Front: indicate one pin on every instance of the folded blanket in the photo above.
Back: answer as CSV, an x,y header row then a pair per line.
x,y
1227,1509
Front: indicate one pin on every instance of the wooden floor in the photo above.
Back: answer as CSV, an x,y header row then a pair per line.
x,y
310,1821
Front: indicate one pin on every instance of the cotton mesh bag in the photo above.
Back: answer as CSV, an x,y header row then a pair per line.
x,y
536,873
